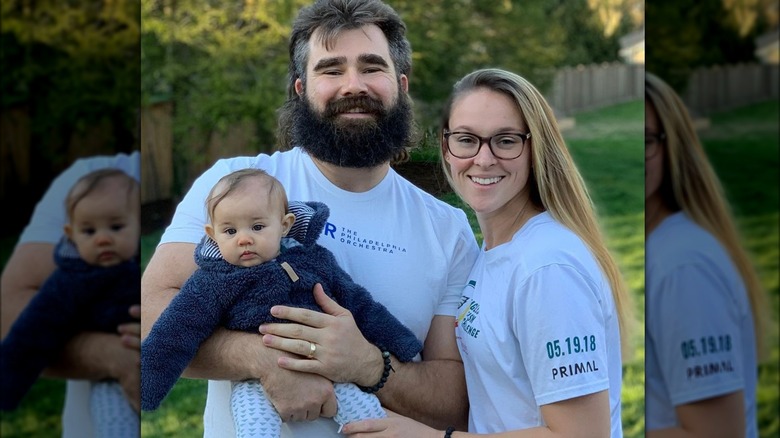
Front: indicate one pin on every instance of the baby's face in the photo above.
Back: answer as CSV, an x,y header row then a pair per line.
x,y
106,227
248,229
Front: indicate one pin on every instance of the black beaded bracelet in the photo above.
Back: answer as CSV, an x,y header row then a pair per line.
x,y
385,374
448,432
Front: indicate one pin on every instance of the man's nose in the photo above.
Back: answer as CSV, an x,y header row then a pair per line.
x,y
353,83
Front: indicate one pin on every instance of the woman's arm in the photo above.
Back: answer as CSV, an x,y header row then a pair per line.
x,y
580,417
715,417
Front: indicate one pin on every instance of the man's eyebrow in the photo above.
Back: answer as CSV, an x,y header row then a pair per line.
x,y
373,59
329,62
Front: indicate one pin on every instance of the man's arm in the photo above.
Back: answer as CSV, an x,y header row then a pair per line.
x,y
87,356
432,391
231,355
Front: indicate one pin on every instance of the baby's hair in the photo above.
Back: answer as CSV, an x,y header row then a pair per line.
x,y
89,182
232,181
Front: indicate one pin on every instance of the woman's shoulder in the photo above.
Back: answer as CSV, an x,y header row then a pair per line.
x,y
545,242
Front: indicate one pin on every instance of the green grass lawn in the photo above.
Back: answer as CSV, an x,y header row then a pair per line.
x,y
607,146
743,147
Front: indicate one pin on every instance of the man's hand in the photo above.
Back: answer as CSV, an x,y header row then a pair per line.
x,y
131,331
129,373
129,376
300,396
341,352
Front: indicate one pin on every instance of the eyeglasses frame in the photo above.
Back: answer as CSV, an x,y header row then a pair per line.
x,y
659,137
486,140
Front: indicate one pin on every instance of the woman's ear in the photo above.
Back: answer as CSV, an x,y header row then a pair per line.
x,y
445,152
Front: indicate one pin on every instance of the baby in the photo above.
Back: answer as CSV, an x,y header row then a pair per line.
x,y
96,282
257,254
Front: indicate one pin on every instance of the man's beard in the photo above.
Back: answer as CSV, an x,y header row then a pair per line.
x,y
360,143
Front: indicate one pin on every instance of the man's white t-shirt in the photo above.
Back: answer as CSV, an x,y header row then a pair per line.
x,y
700,341
45,226
410,250
536,325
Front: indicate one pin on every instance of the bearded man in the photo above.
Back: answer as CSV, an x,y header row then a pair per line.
x,y
347,116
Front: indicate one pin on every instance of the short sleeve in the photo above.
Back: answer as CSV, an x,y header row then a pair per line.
x,y
559,322
462,259
190,215
694,325
48,218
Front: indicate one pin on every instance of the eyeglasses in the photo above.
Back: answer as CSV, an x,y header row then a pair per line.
x,y
505,146
653,144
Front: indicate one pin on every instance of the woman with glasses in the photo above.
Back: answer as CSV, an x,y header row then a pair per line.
x,y
541,319
704,299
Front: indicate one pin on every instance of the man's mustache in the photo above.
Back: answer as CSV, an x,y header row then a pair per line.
x,y
366,104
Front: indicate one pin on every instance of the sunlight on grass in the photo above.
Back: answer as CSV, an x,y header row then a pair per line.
x,y
180,414
39,414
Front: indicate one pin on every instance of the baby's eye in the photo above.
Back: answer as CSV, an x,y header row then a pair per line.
x,y
117,227
257,227
230,231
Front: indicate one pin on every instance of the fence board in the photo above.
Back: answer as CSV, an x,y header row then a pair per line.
x,y
588,87
14,149
156,152
724,87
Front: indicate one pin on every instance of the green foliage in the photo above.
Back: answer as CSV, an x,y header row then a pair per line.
x,y
219,62
451,38
71,65
585,41
223,62
686,34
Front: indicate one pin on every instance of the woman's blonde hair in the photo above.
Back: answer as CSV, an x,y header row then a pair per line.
x,y
690,184
555,183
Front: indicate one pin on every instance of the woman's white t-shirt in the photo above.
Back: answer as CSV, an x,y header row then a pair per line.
x,y
537,325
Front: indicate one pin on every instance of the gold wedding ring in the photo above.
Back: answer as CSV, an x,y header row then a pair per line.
x,y
312,350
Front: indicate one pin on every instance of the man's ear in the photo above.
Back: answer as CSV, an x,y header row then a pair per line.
x,y
209,231
404,80
287,222
299,87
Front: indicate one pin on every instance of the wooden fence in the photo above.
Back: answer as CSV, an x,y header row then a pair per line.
x,y
725,87
588,87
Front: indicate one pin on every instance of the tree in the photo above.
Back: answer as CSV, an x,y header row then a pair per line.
x,y
685,34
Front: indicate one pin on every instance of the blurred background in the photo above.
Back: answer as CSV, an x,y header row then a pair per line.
x,y
214,72
721,57
70,88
